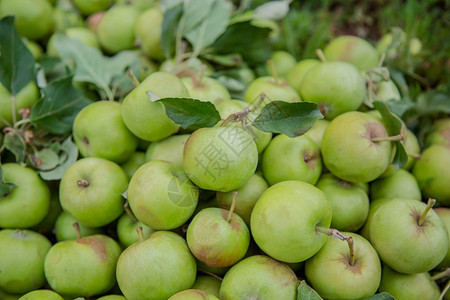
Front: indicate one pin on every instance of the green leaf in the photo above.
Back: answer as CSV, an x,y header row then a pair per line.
x,y
48,159
169,29
305,292
5,187
57,110
16,145
16,61
433,102
68,154
272,10
381,296
195,12
401,107
291,119
190,113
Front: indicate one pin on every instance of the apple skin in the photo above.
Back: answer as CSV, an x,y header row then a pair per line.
x,y
147,119
432,172
22,255
295,75
174,267
248,195
206,89
289,158
344,91
404,245
161,195
208,284
354,50
282,61
276,227
126,230
333,277
150,40
349,203
374,206
317,130
192,294
64,230
259,277
215,241
348,151
401,184
112,297
7,296
91,191
41,294
26,97
220,158
170,149
279,90
84,267
88,7
408,286
440,133
133,163
99,131
27,204
444,214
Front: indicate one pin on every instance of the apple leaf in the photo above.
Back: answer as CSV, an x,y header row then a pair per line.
x,y
16,61
381,296
5,187
169,28
272,10
68,154
16,145
190,113
45,159
305,292
56,111
433,102
291,119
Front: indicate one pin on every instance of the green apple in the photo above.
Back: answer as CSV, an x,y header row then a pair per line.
x,y
354,50
440,132
88,7
337,273
26,97
220,158
93,20
206,89
187,67
289,158
133,163
317,130
208,284
91,191
354,147
161,195
247,196
64,18
385,91
444,214
150,40
409,237
272,88
22,255
48,222
432,172
192,294
64,230
81,34
28,203
34,48
401,184
99,131
126,230
115,31
172,267
32,17
277,228
83,267
259,277
295,75
40,295
337,86
408,286
218,237
412,148
282,61
349,203
169,149
112,297
7,296
374,206
147,119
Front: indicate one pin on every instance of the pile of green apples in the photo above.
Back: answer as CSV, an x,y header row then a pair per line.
x,y
151,210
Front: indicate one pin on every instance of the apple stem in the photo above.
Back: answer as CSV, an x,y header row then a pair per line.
x,y
444,291
351,245
233,205
133,78
77,228
210,274
331,232
82,183
381,61
430,204
273,71
320,55
129,212
394,138
140,233
443,274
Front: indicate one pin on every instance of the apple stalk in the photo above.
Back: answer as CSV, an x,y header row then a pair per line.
x,y
440,275
430,204
140,233
77,229
337,234
129,212
82,183
394,138
133,78
233,205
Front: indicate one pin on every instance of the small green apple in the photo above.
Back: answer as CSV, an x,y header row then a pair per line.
x,y
88,7
26,97
295,75
374,206
208,284
150,40
193,294
282,61
317,130
385,91
440,132
65,19
169,149
40,295
401,184
112,297
81,34
206,89
272,88
64,230
126,230
444,214
133,163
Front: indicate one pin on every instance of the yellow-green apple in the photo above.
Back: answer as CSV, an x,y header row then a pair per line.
x,y
41,294
206,89
295,75
64,230
272,89
88,7
317,130
207,284
169,149
400,184
148,30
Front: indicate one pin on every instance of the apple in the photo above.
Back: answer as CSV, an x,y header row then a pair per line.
x,y
81,34
7,296
150,40
295,75
41,294
133,163
317,130
277,228
22,255
272,88
64,230
115,31
356,148
289,158
28,203
127,226
259,277
432,172
91,191
375,204
282,61
32,17
83,267
65,19
354,50
192,294
187,67
98,130
206,89
220,158
401,184
156,268
349,203
26,97
35,49
444,214
147,119
338,271
440,132
169,149
409,236
208,284
161,195
112,297
247,196
412,148
337,86
88,7
48,222
408,286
